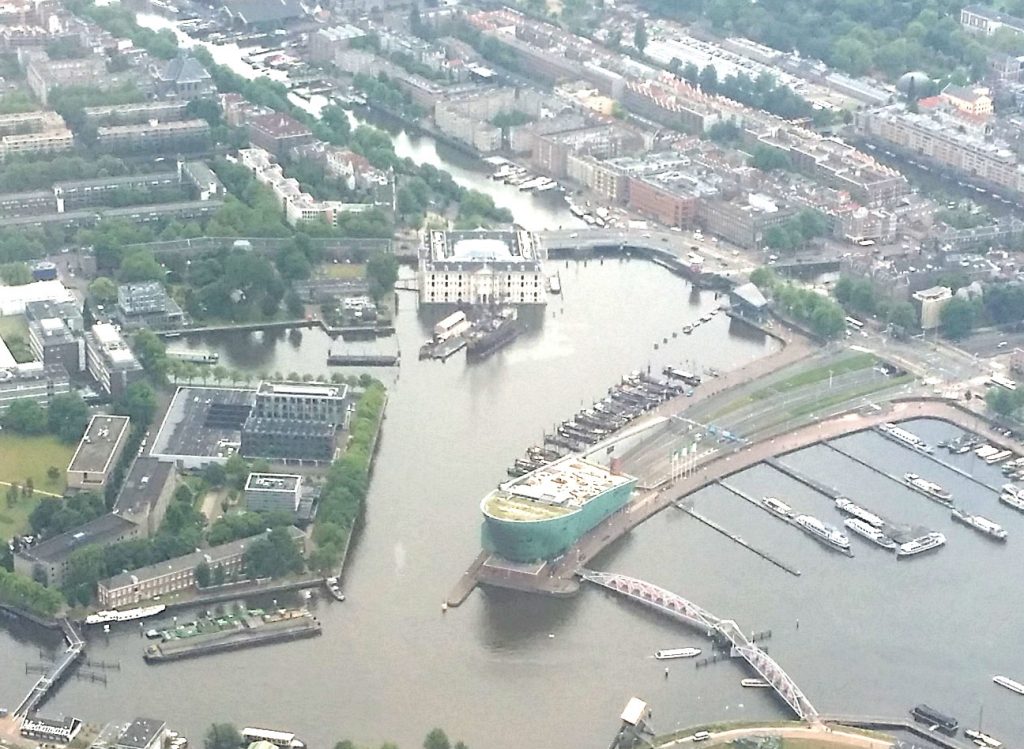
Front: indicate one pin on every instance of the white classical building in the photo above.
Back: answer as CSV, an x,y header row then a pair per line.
x,y
481,267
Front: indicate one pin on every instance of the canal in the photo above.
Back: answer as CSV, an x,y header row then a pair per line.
x,y
866,634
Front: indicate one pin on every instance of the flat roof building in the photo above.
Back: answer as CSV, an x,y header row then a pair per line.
x,y
14,298
98,452
44,729
283,439
147,305
930,303
301,402
110,361
34,381
47,561
143,733
273,492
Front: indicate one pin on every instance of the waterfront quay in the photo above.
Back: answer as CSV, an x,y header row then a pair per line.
x,y
559,577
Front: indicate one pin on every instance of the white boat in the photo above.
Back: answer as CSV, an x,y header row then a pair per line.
x,y
870,532
920,545
334,588
850,508
664,655
283,739
104,617
555,284
982,739
778,507
903,437
755,683
979,523
1012,496
1006,681
822,532
928,488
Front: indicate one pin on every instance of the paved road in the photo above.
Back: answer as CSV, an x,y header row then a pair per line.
x,y
817,733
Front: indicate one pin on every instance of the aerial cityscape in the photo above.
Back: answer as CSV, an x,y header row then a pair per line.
x,y
503,373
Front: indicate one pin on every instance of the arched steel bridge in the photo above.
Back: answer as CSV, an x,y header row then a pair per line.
x,y
679,608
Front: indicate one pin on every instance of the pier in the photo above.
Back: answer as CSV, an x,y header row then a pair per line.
x,y
362,360
59,669
680,609
737,539
828,491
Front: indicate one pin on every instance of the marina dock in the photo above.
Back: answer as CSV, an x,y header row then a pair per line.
x,y
737,539
362,360
796,475
60,669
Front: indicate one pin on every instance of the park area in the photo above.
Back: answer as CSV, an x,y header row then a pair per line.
x,y
23,458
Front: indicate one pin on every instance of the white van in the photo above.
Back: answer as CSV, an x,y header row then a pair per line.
x,y
701,736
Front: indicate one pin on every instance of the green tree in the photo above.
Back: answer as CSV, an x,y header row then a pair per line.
x,y
203,574
67,416
222,736
957,318
15,274
382,273
903,315
275,555
25,417
52,474
768,159
640,36
763,278
214,474
437,739
139,266
103,290
139,403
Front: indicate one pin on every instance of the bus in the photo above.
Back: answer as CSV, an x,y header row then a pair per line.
x,y
1003,382
853,322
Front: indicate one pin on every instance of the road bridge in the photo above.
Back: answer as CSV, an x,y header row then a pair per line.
x,y
690,613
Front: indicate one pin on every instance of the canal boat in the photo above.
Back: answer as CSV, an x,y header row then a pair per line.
x,y
979,523
128,615
870,532
778,507
822,532
1012,496
754,683
936,720
678,374
982,739
1008,683
334,588
903,437
670,653
920,545
928,488
850,508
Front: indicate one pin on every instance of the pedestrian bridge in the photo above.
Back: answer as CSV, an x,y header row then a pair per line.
x,y
681,609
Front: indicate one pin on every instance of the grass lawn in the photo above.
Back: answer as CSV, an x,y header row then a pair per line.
x,y
13,325
343,270
24,457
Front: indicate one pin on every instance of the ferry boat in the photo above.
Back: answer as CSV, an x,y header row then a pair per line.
x,y
755,683
822,532
979,523
850,508
664,655
128,615
928,488
334,588
1007,682
1012,496
920,545
903,437
982,739
870,532
778,507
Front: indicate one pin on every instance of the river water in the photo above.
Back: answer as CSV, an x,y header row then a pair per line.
x,y
861,635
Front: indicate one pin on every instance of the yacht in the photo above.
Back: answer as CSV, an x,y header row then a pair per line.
x,y
920,545
928,488
826,534
778,507
142,612
982,739
1005,681
903,437
664,655
850,508
755,683
870,532
334,588
986,526
1012,496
